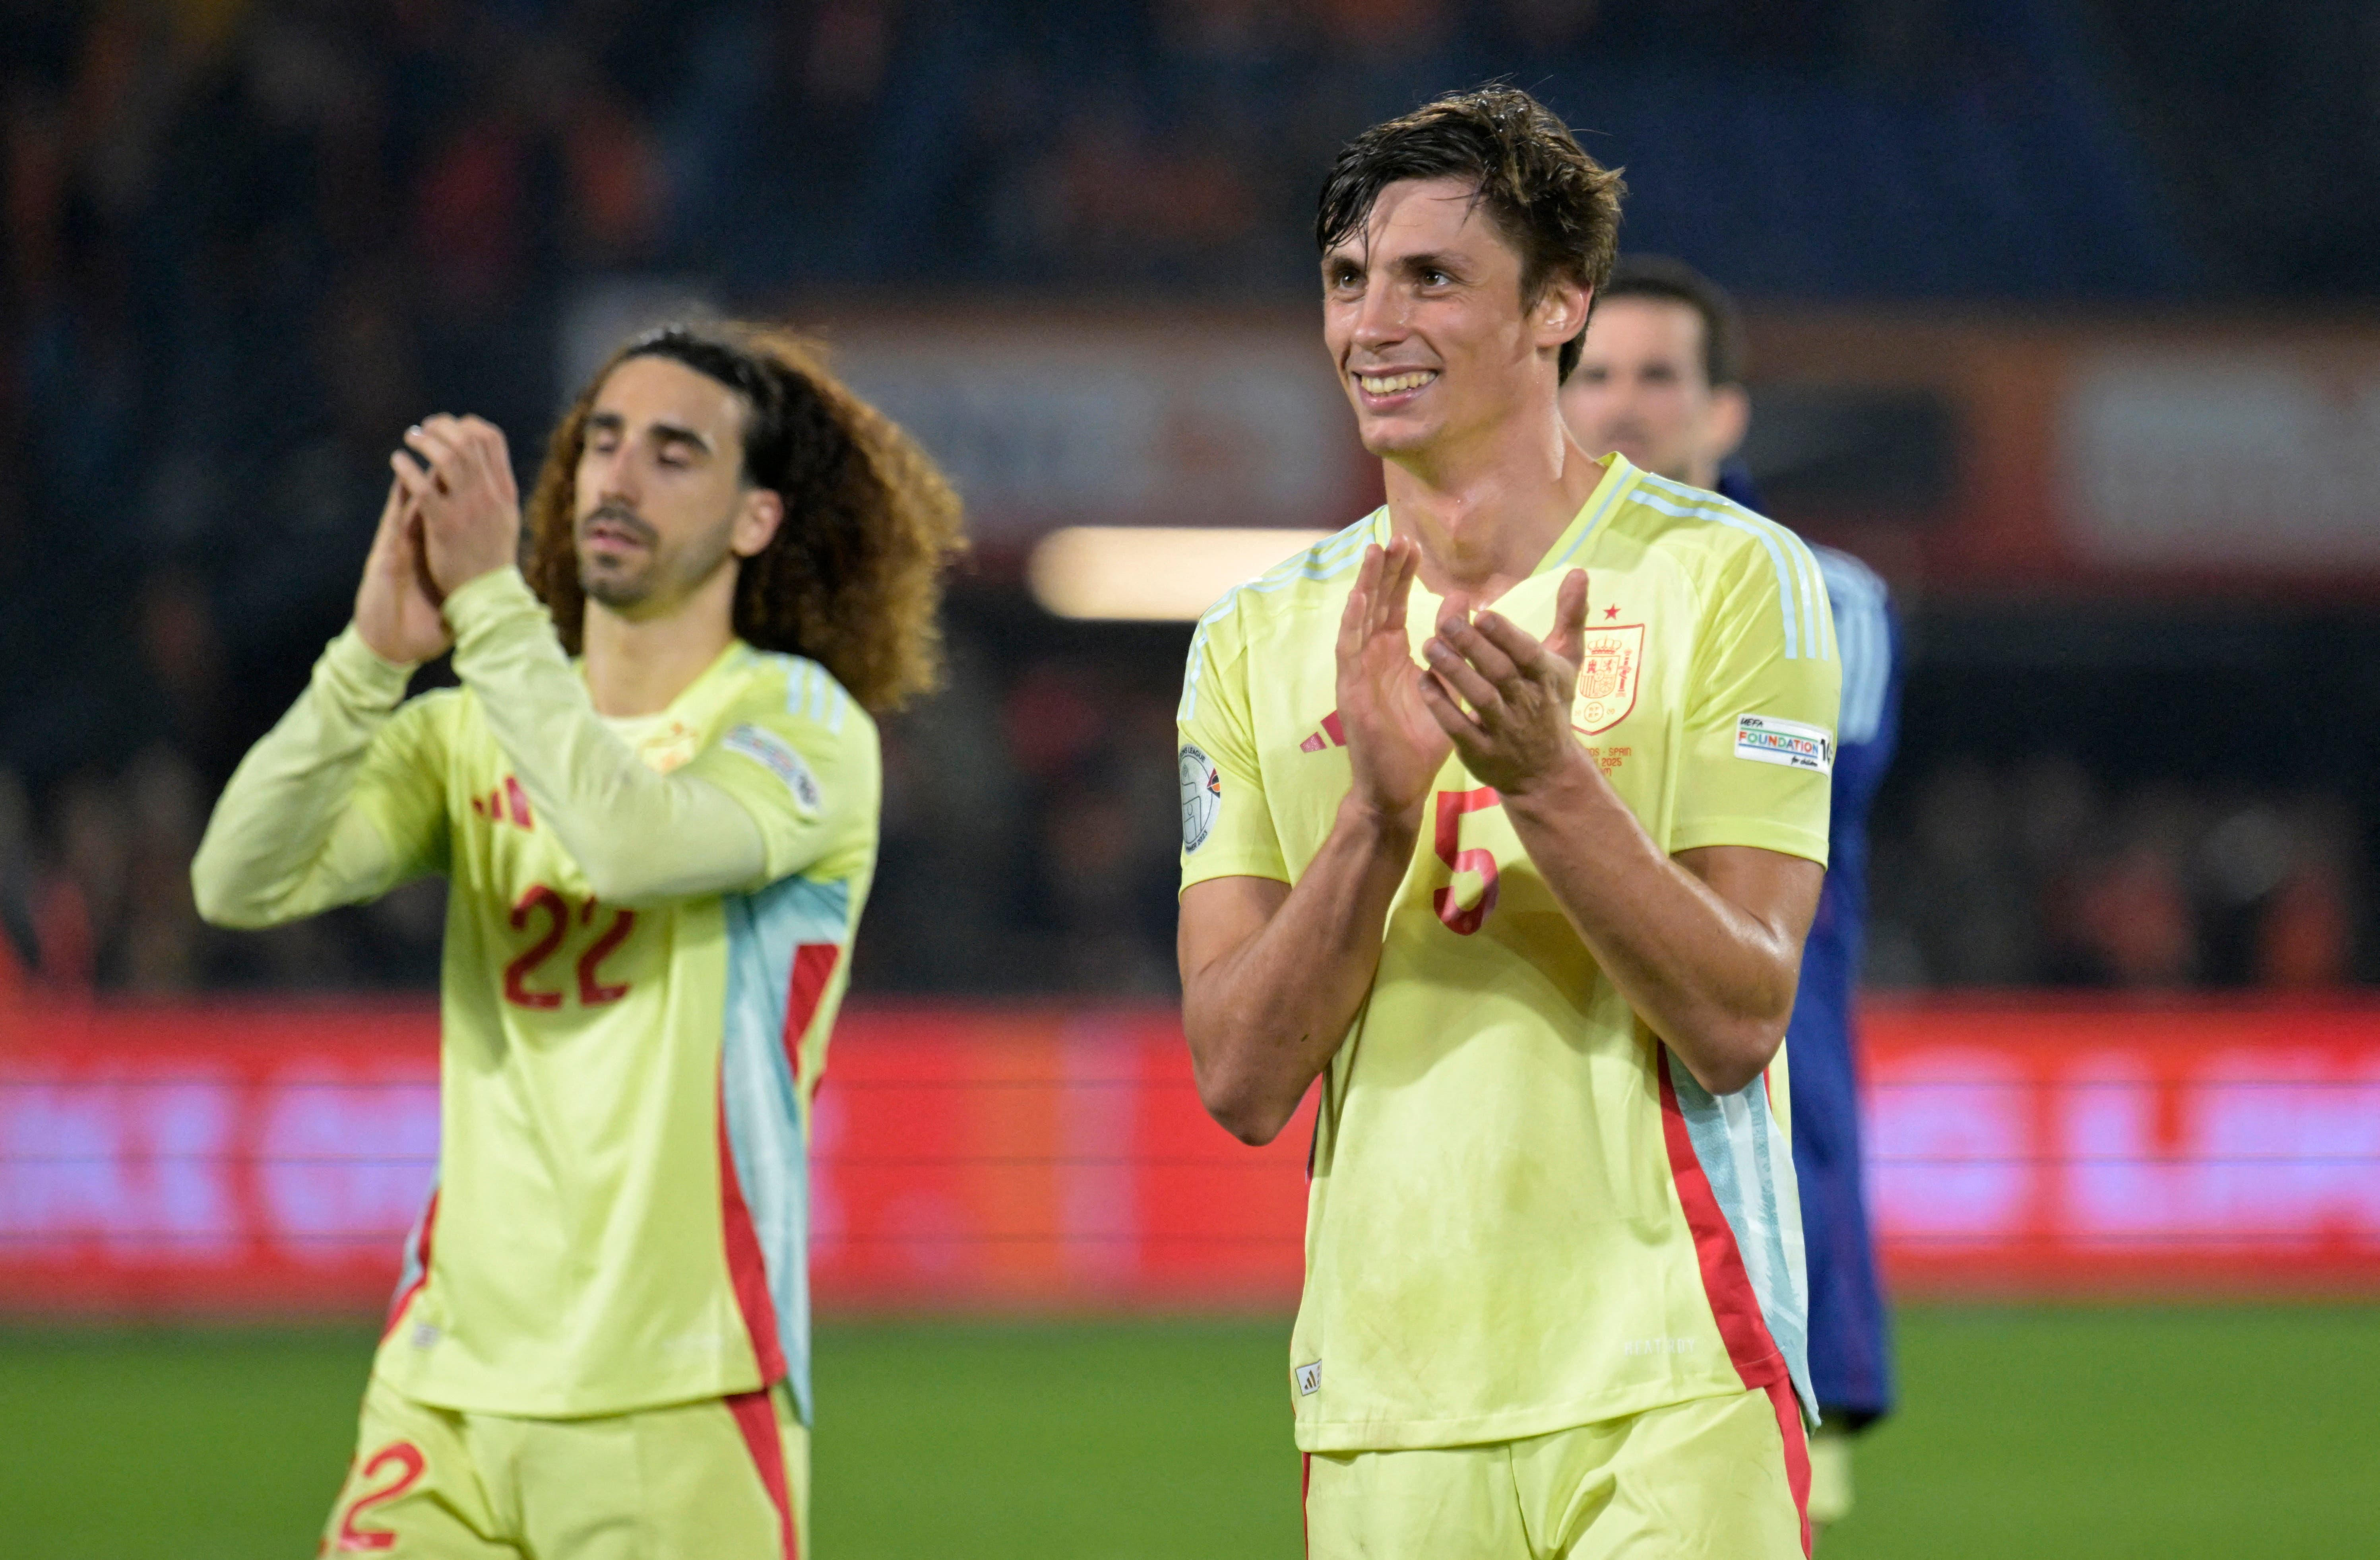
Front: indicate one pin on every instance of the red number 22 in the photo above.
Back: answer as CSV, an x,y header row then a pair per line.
x,y
592,992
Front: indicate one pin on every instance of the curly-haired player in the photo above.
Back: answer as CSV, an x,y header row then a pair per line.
x,y
1522,889
657,859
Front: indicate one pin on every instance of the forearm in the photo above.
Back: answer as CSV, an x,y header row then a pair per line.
x,y
640,836
284,840
1264,1017
1713,980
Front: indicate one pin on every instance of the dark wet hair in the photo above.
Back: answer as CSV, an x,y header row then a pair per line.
x,y
1557,207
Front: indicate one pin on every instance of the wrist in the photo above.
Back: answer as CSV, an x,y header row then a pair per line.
x,y
491,591
361,674
1573,781
1392,831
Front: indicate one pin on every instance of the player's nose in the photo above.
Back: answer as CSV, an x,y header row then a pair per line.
x,y
1379,318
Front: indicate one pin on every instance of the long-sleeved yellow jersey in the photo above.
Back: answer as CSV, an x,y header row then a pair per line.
x,y
648,932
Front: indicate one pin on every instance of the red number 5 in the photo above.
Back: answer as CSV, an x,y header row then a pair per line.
x,y
1451,806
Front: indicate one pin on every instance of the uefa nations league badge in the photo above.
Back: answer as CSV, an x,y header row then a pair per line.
x,y
1202,797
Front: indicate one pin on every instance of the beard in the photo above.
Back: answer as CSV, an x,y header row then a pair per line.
x,y
655,576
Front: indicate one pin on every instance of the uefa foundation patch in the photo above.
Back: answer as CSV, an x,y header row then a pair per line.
x,y
1766,739
1202,797
773,752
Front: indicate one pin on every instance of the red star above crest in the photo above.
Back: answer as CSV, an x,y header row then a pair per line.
x,y
1609,613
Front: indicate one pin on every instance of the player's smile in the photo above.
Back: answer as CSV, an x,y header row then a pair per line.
x,y
1391,389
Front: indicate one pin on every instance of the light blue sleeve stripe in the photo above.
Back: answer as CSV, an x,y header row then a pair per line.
x,y
1742,522
1864,634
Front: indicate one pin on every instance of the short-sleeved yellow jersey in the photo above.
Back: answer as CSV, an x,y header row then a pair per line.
x,y
1525,1216
622,1213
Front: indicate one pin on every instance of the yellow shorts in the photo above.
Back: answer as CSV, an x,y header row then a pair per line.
x,y
726,1476
1718,1477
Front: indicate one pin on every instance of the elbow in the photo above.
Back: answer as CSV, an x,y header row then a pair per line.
x,y
1239,1103
1731,1056
1252,1122
218,905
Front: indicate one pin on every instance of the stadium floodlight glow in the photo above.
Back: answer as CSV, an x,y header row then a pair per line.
x,y
1152,574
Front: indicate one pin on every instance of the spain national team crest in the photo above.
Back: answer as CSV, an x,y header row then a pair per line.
x,y
1610,663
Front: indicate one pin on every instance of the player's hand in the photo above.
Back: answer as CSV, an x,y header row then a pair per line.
x,y
1393,744
1515,732
396,605
463,486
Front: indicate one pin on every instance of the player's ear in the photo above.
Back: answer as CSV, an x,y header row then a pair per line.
x,y
1561,312
1731,419
757,519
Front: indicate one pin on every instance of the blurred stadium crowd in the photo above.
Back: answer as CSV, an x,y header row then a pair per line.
x,y
248,241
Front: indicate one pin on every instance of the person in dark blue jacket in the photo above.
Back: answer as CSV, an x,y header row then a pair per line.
x,y
1661,380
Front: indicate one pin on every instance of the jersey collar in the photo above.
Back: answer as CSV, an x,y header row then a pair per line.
x,y
1618,475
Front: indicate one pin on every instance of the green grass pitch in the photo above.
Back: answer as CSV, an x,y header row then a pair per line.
x,y
2103,1432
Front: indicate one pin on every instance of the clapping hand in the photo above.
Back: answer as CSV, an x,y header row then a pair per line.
x,y
463,486
1394,745
397,604
1503,697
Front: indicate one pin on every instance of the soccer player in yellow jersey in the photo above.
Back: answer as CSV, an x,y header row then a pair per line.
x,y
657,859
1505,815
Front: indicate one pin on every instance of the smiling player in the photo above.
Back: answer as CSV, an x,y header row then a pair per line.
x,y
1505,816
656,860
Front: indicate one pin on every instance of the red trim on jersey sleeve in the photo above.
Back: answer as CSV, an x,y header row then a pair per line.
x,y
745,1268
1733,1305
1797,1453
756,1416
813,967
421,1258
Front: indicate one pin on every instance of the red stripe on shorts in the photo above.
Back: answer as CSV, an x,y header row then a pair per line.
x,y
756,1416
1797,1453
1306,1493
1733,1305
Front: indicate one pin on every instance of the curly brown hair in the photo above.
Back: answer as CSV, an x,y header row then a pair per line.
x,y
1557,207
853,576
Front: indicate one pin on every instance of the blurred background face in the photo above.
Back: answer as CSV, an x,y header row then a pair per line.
x,y
660,486
1641,388
1422,314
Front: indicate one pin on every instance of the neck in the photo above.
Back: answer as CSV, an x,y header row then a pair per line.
x,y
1486,512
637,666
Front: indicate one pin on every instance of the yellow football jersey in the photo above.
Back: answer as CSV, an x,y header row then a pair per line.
x,y
621,1213
1525,1216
